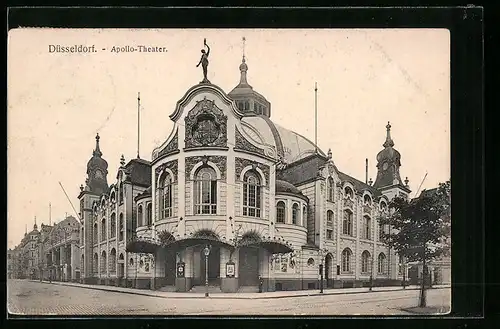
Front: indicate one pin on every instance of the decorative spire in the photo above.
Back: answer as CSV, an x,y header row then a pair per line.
x,y
97,151
388,140
243,66
122,161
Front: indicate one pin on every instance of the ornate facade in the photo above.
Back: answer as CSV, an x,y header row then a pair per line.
x,y
270,205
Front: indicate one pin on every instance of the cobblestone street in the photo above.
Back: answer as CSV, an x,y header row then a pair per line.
x,y
35,298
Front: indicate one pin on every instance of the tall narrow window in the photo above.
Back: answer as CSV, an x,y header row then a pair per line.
x,y
280,212
140,216
113,225
365,262
120,195
206,191
347,223
95,236
103,229
346,260
331,189
381,263
112,261
103,262
121,227
150,214
251,195
295,213
304,216
366,228
95,263
329,218
165,191
381,230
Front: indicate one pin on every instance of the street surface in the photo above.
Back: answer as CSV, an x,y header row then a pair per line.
x,y
35,298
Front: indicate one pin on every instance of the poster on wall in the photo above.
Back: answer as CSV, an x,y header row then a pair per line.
x,y
230,270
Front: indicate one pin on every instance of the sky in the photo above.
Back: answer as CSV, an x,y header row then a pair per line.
x,y
57,102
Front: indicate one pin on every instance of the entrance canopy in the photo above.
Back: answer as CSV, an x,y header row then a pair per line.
x,y
142,246
273,247
197,241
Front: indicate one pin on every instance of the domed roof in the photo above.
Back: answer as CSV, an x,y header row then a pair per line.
x,y
389,152
97,160
285,187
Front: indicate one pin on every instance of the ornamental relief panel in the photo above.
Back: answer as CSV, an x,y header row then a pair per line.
x,y
241,163
218,160
206,125
172,165
348,203
367,209
243,144
171,147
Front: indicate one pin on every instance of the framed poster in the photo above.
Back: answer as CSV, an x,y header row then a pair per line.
x,y
230,269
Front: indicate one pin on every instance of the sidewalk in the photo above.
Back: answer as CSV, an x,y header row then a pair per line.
x,y
220,295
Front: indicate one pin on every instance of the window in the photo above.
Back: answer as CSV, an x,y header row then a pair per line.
x,y
329,234
131,261
280,212
113,225
347,223
140,216
103,262
331,189
95,234
121,227
366,228
120,195
329,218
365,262
381,263
149,210
206,191
383,206
251,195
346,260
165,191
112,260
380,232
95,263
103,229
348,192
304,216
367,199
295,213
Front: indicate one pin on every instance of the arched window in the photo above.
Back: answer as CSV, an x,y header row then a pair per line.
x,y
365,262
131,261
381,230
94,235
381,263
113,225
367,199
113,197
280,212
120,194
103,229
346,260
331,189
165,194
140,216
295,213
348,192
112,261
206,191
121,227
329,218
304,216
95,263
103,262
149,214
383,206
251,194
367,228
347,222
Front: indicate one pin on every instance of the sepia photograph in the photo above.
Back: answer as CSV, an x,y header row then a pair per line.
x,y
259,172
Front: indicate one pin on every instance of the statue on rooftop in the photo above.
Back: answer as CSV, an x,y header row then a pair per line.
x,y
204,61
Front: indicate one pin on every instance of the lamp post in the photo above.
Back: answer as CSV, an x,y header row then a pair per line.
x,y
206,251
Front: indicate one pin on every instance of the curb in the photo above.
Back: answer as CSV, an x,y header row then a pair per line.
x,y
92,287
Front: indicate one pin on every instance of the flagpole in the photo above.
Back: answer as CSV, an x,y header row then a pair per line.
x,y
316,116
138,123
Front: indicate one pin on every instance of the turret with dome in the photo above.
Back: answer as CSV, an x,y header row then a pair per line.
x,y
97,171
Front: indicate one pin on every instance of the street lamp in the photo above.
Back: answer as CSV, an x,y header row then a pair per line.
x,y
206,251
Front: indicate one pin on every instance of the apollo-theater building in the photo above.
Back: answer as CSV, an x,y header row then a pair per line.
x,y
234,201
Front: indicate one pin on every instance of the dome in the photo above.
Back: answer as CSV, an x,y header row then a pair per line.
x,y
285,187
388,154
97,161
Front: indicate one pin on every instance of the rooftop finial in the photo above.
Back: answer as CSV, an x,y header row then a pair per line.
x,y
407,181
122,161
244,40
388,140
97,151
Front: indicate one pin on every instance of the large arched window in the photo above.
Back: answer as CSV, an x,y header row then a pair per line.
x,y
165,193
381,263
103,262
367,228
348,192
94,235
103,229
346,260
295,213
347,222
140,216
113,225
205,189
329,218
251,194
331,189
280,212
367,200
365,262
149,214
120,234
112,261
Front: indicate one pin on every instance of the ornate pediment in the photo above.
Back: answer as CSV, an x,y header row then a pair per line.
x,y
206,126
243,144
241,163
172,146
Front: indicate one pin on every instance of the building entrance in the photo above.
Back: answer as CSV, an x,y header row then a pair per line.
x,y
248,268
170,267
213,267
